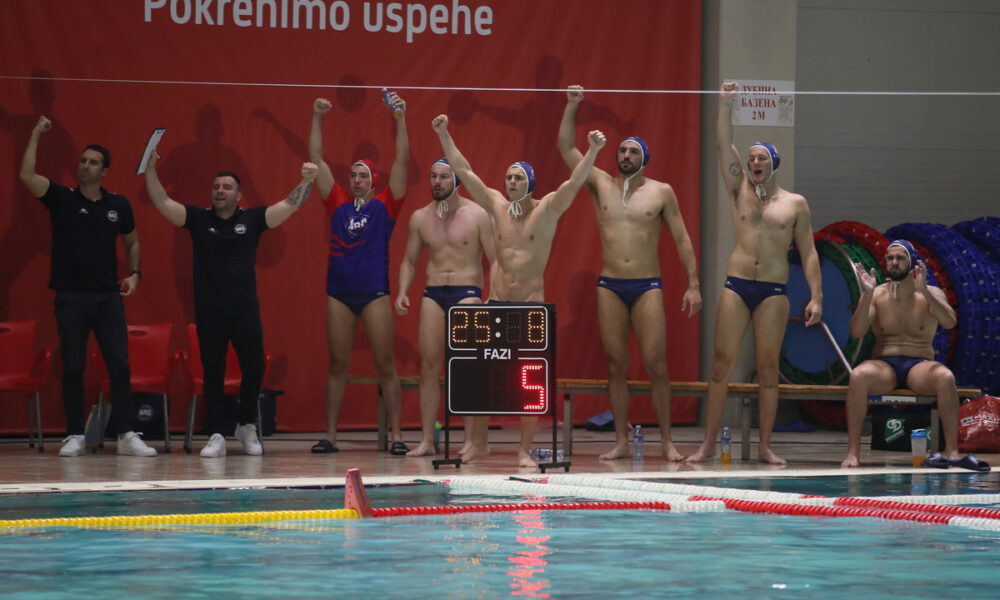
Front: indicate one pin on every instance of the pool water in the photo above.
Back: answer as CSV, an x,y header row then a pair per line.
x,y
527,554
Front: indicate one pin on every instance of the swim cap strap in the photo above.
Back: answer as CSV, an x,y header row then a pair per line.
x,y
442,207
515,209
625,187
761,191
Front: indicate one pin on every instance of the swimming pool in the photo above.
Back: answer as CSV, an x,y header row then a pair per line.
x,y
525,553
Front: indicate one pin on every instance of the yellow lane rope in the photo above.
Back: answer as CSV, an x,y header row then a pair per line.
x,y
233,518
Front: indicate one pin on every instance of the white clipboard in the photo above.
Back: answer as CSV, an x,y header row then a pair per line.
x,y
154,139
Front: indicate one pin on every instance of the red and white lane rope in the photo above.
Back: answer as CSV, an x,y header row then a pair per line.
x,y
942,510
509,486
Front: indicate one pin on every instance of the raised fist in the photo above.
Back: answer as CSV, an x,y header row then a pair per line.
x,y
729,90
44,124
322,106
440,123
597,139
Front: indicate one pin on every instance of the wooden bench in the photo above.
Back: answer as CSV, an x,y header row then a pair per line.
x,y
742,391
745,392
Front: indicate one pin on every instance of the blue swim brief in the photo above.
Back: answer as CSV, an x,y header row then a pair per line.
x,y
901,365
629,290
449,295
754,292
358,302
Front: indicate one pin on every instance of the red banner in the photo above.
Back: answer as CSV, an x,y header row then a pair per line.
x,y
233,82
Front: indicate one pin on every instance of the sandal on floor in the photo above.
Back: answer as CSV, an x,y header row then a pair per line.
x,y
398,449
324,447
969,461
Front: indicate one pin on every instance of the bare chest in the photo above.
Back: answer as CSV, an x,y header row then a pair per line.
x,y
451,232
640,208
522,233
775,216
906,316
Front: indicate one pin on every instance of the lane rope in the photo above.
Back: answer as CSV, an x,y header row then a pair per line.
x,y
930,509
601,493
145,521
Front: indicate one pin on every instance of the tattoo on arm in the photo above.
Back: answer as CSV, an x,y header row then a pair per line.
x,y
298,196
734,169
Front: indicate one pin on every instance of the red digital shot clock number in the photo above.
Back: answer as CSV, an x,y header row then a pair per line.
x,y
500,359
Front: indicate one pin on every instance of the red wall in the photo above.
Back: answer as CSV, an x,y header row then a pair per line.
x,y
239,98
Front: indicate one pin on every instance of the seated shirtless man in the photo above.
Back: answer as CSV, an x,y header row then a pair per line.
x,y
904,313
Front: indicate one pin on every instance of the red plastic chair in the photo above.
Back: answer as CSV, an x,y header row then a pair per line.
x,y
149,363
230,383
18,362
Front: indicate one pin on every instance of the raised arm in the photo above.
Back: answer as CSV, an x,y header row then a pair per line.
x,y
571,155
277,213
324,181
36,184
937,302
408,266
691,300
397,175
864,313
478,190
172,210
559,201
810,263
729,158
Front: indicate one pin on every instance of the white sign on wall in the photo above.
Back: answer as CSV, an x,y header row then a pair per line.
x,y
764,102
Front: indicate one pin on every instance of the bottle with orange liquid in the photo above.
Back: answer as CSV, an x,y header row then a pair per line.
x,y
726,447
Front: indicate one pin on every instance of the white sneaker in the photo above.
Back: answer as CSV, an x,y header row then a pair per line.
x,y
73,445
248,435
215,448
131,444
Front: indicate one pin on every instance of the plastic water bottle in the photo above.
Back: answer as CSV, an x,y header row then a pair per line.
x,y
437,435
637,440
546,454
726,444
388,102
918,442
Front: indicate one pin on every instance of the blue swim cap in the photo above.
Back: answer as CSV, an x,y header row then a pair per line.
x,y
642,146
772,151
529,173
910,250
444,161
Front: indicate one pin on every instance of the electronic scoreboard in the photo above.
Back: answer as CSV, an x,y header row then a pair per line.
x,y
500,359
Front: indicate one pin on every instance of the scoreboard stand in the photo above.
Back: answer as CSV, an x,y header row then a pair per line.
x,y
447,460
500,360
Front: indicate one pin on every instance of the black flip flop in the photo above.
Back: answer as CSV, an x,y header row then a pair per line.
x,y
398,449
970,462
324,447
